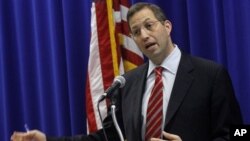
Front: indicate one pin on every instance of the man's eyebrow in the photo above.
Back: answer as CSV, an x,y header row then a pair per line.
x,y
147,19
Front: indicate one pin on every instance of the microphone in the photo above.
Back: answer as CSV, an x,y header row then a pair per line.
x,y
118,82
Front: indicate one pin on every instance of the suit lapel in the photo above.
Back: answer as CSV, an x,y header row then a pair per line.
x,y
182,83
139,82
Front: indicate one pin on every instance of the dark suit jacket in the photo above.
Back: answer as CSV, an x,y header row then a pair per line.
x,y
202,105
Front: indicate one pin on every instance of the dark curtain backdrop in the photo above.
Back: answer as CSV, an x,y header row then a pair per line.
x,y
44,48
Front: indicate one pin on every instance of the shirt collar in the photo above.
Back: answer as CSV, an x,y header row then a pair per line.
x,y
170,63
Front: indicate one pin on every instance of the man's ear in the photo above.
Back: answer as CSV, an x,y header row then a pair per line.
x,y
168,26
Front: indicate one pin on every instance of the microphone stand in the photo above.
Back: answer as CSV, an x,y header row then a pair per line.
x,y
113,107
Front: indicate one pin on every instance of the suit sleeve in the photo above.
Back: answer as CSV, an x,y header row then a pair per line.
x,y
225,110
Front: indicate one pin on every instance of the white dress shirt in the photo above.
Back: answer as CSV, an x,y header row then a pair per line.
x,y
170,65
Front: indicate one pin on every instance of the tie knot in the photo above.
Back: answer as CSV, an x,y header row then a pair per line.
x,y
158,71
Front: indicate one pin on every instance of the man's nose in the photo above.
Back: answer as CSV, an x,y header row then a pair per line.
x,y
144,33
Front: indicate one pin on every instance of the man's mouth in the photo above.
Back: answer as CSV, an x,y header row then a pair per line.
x,y
149,45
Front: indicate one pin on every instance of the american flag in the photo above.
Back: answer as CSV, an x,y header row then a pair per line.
x,y
112,52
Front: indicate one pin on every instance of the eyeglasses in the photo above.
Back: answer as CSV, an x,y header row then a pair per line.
x,y
147,25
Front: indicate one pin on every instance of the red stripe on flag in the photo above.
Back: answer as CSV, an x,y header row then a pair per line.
x,y
104,43
116,5
126,30
131,57
124,3
90,110
123,28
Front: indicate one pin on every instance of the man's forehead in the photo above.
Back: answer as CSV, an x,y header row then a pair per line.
x,y
140,17
142,14
141,20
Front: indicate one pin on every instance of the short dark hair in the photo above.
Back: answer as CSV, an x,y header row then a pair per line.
x,y
159,14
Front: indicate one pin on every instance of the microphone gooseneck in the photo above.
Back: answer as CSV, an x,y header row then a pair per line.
x,y
118,82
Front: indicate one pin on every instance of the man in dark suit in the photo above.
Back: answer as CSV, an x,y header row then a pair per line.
x,y
195,98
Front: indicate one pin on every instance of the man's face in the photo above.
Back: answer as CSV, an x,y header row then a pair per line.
x,y
151,35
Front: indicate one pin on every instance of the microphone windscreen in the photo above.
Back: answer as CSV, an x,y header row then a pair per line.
x,y
120,79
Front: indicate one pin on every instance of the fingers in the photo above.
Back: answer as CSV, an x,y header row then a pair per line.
x,y
21,136
17,136
171,137
168,137
155,139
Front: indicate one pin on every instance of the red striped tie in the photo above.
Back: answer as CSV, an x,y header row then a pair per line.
x,y
155,108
